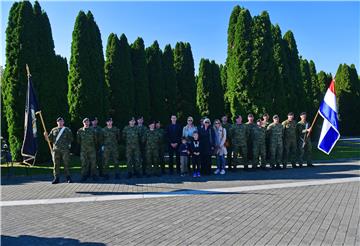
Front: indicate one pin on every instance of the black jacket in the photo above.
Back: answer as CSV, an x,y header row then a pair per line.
x,y
174,133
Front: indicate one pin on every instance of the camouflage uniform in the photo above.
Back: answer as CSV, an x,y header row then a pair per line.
x,y
111,147
86,137
162,145
289,141
142,130
250,142
239,135
259,147
275,132
306,150
99,142
227,127
61,149
133,155
152,148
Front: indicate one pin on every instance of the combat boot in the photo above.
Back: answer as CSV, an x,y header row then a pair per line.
x,y
68,179
56,180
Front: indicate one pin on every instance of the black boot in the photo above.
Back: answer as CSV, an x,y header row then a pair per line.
x,y
55,180
68,179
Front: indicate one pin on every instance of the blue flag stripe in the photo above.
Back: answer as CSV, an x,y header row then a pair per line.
x,y
329,140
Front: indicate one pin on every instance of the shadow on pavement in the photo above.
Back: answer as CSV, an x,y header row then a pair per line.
x,y
174,192
320,171
42,241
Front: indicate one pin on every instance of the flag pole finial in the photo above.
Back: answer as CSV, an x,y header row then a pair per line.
x,y
28,70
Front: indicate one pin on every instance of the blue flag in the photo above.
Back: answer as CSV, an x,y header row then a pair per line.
x,y
29,147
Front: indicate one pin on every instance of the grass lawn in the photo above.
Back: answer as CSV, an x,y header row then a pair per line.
x,y
340,151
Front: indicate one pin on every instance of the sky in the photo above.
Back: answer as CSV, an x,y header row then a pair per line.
x,y
325,32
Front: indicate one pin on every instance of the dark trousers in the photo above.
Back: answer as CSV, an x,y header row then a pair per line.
x,y
206,164
173,151
196,163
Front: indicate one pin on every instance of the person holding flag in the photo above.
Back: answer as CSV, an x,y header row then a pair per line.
x,y
61,138
304,141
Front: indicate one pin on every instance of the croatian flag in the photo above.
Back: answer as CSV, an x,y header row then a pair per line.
x,y
330,128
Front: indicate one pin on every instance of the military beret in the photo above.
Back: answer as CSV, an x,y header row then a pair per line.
x,y
290,113
59,119
276,117
303,113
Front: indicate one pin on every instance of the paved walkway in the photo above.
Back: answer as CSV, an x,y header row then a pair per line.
x,y
307,206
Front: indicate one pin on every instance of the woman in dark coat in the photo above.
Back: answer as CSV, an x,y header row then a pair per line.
x,y
207,146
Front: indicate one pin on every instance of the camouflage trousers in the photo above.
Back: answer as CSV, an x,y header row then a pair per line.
x,y
58,156
111,153
152,161
88,163
276,151
304,152
133,159
259,149
240,150
99,160
290,151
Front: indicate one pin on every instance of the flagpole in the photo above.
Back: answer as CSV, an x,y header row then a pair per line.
x,y
312,124
41,117
45,131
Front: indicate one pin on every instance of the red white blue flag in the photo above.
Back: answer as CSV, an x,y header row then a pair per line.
x,y
330,129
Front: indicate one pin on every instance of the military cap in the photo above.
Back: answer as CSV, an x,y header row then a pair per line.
x,y
85,119
276,117
59,119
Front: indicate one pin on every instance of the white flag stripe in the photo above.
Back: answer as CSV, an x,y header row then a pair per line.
x,y
330,100
325,127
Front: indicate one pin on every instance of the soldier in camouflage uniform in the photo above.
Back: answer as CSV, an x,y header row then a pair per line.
x,y
86,138
61,138
132,141
99,142
290,142
142,129
304,143
152,148
275,131
239,135
111,140
162,135
250,144
259,145
227,126
265,123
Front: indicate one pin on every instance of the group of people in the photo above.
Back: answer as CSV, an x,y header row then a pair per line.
x,y
256,144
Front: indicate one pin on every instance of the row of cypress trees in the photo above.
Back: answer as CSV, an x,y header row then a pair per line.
x,y
263,72
29,41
